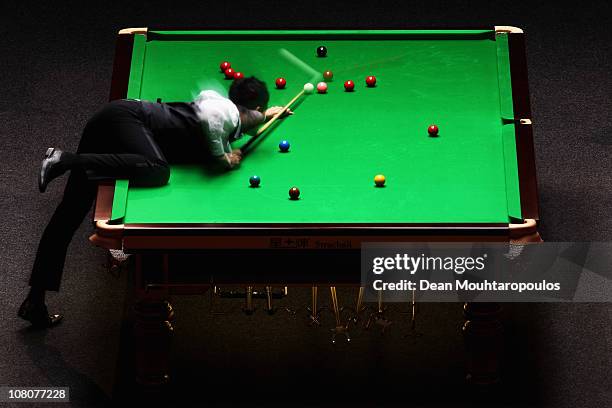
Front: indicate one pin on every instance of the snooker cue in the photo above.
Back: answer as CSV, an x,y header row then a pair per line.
x,y
246,146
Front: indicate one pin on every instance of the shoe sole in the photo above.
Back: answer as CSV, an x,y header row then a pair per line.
x,y
41,185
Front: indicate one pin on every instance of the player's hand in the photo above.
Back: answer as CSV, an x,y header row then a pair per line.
x,y
275,109
234,159
237,152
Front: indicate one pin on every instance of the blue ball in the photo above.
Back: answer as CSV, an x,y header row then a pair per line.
x,y
254,181
284,146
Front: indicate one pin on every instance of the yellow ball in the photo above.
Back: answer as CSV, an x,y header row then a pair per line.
x,y
379,180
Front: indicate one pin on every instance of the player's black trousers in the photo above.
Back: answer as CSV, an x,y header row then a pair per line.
x,y
123,140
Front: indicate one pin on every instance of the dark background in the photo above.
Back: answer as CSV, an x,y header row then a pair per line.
x,y
55,71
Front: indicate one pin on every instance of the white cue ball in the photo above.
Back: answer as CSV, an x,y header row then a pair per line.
x,y
309,88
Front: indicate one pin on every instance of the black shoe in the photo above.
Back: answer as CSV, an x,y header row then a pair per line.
x,y
51,168
37,314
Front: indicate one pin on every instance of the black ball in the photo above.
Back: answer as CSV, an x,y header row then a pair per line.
x,y
322,51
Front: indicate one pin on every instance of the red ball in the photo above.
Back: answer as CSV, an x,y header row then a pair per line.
x,y
349,85
280,83
328,75
229,73
371,81
294,193
432,130
238,75
321,87
224,65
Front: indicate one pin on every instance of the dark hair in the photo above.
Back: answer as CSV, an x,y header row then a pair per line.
x,y
249,92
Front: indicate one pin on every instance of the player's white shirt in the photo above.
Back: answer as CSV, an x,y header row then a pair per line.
x,y
220,120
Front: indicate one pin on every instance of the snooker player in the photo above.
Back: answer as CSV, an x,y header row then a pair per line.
x,y
137,140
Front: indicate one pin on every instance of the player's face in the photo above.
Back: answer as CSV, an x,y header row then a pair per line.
x,y
263,106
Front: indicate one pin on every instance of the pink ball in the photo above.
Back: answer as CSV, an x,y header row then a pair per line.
x,y
321,87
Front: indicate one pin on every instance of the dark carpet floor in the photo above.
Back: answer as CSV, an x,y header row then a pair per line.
x,y
55,72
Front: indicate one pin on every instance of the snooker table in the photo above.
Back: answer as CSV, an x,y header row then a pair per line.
x,y
474,181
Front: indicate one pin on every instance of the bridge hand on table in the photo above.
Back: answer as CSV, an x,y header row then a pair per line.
x,y
270,112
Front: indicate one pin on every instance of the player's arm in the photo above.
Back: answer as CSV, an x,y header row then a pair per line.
x,y
230,158
216,127
220,148
253,119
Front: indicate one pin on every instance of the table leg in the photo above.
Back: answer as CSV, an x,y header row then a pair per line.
x,y
249,306
483,335
152,331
